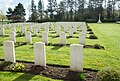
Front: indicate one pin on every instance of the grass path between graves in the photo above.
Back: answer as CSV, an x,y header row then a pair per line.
x,y
108,36
13,76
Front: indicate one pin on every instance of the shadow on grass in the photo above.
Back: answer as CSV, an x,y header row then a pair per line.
x,y
37,36
56,47
24,77
20,35
54,36
18,44
34,35
68,37
1,44
40,36
4,35
87,37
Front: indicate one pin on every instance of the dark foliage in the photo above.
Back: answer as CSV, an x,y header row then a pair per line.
x,y
93,36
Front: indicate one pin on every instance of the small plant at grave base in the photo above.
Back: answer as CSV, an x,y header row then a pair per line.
x,y
54,44
20,34
89,29
108,74
81,76
17,32
91,32
18,67
49,44
93,36
1,44
97,46
57,35
34,35
69,36
5,63
75,33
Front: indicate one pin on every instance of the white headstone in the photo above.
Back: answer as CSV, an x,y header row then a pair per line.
x,y
13,36
39,29
74,28
76,57
28,37
58,30
39,53
9,51
45,37
30,28
14,28
35,31
82,38
65,28
52,26
84,28
63,38
2,30
70,31
46,27
56,25
23,29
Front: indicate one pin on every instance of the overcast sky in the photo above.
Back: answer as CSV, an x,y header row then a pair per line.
x,y
5,4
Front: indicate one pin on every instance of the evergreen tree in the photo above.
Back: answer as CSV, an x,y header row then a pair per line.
x,y
109,9
61,11
32,6
9,13
34,15
17,14
119,11
52,7
76,3
71,7
40,9
90,9
19,11
65,9
80,6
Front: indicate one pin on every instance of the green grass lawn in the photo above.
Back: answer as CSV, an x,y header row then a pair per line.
x,y
13,76
108,36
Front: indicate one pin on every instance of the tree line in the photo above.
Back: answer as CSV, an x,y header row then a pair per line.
x,y
17,14
71,10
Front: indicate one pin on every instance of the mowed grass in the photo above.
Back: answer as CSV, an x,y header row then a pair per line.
x,y
108,36
13,76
